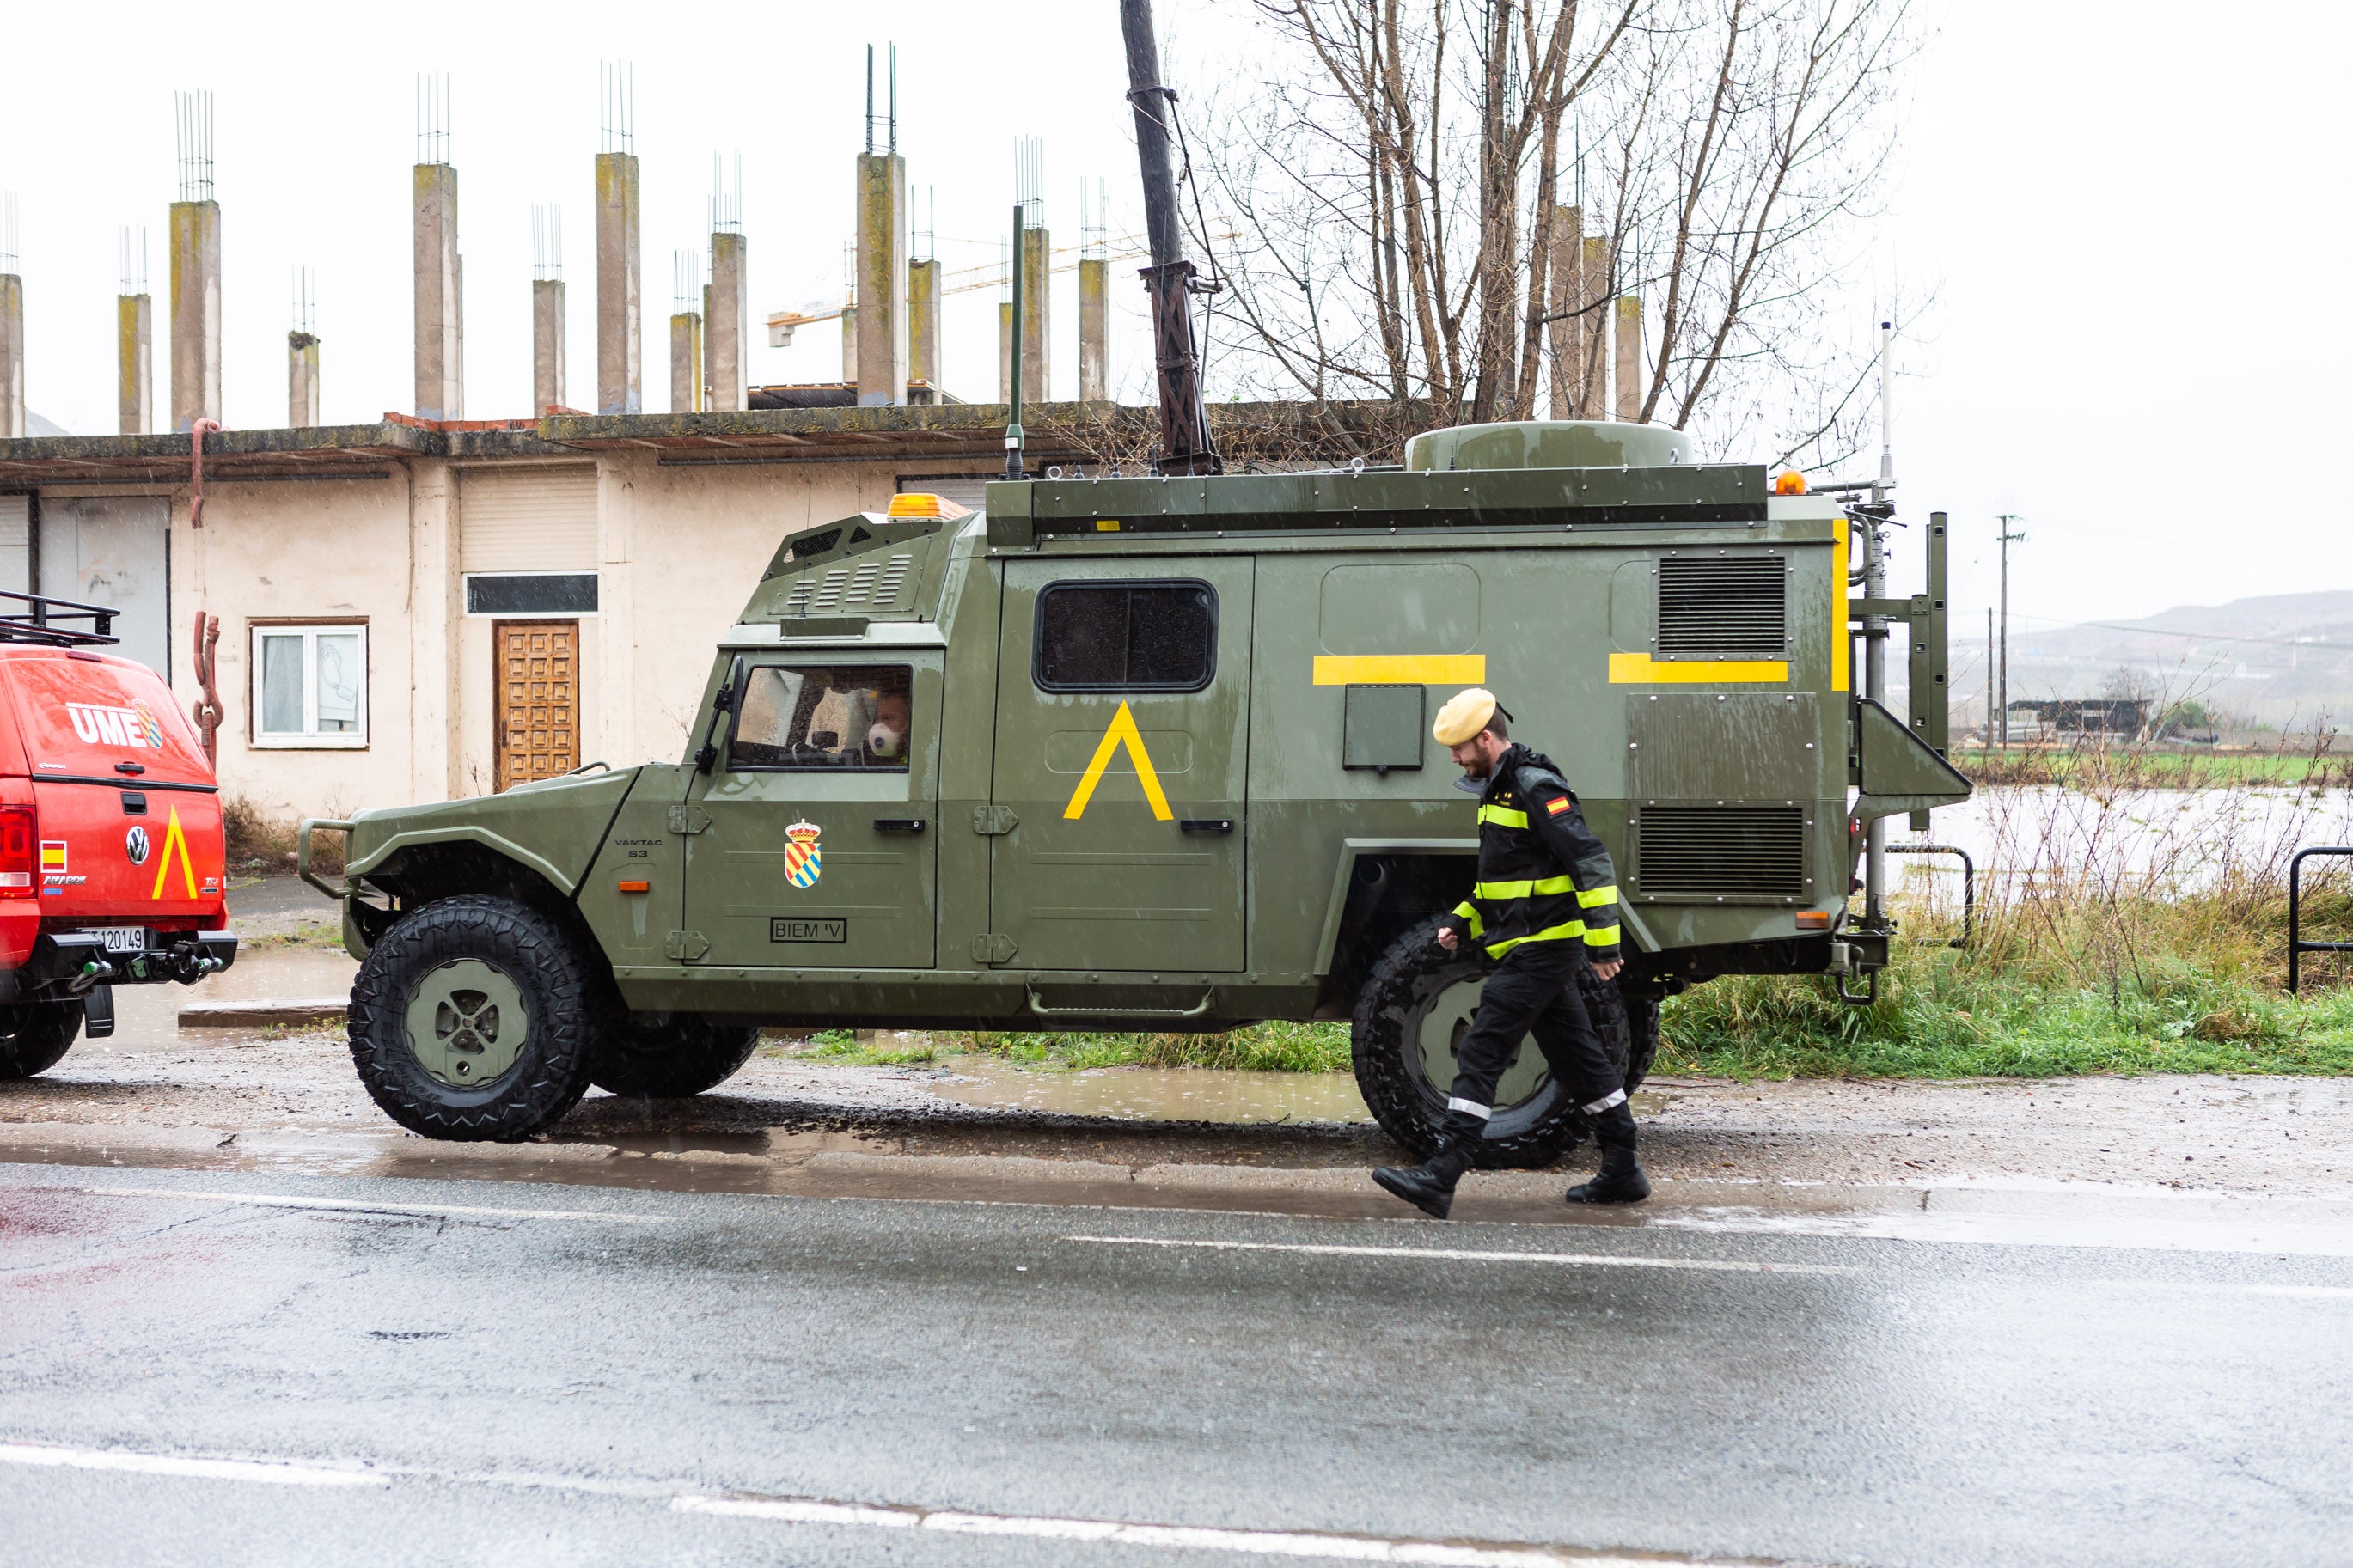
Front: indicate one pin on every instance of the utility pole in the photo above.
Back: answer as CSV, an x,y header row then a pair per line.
x,y
2008,539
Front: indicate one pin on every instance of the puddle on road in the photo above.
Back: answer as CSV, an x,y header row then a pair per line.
x,y
146,1018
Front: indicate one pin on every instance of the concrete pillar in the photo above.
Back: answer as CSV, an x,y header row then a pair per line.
x,y
547,346
1094,328
441,330
1037,345
617,375
727,323
11,355
196,313
686,362
882,280
1630,357
923,324
134,338
616,696
1562,297
849,344
302,380
1594,267
431,644
1005,351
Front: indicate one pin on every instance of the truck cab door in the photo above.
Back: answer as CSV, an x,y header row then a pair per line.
x,y
1123,752
811,842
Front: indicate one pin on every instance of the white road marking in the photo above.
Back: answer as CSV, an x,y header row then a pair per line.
x,y
365,1205
269,1471
1463,1255
1306,1544
1184,1537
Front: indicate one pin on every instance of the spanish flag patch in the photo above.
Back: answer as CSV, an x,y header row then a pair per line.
x,y
1554,808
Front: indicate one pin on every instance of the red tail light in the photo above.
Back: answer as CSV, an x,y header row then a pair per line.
x,y
20,852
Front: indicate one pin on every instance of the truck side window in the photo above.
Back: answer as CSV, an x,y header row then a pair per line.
x,y
855,718
1126,637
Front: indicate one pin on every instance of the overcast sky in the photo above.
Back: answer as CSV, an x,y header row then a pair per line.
x,y
2132,217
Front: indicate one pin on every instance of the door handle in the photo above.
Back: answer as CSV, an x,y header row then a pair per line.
x,y
1205,825
898,825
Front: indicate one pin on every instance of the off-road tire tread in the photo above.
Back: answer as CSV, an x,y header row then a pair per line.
x,y
37,1044
552,1074
685,1057
1376,1049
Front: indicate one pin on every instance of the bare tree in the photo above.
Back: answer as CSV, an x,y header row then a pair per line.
x,y
1405,175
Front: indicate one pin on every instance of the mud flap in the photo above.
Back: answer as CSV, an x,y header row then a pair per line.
x,y
98,1012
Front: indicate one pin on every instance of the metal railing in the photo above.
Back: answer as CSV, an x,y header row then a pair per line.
x,y
2297,945
1968,881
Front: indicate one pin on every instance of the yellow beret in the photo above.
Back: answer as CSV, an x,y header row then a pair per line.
x,y
1465,715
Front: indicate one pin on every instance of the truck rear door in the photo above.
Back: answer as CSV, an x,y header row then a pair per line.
x,y
130,816
1122,747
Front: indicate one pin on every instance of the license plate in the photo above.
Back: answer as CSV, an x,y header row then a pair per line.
x,y
123,938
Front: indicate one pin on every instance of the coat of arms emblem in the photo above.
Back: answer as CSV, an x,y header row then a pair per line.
x,y
804,856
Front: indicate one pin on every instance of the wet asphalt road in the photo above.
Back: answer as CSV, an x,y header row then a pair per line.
x,y
506,1372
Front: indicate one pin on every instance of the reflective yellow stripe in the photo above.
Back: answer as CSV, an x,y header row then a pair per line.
x,y
1601,936
1588,896
1401,670
1523,890
1503,815
1478,926
1562,932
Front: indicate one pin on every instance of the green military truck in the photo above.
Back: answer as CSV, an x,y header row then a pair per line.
x,y
1153,754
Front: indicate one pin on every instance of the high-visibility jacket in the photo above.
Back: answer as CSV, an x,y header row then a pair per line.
x,y
1543,876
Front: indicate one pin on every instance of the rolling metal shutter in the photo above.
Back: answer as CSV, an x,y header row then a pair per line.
x,y
16,544
538,520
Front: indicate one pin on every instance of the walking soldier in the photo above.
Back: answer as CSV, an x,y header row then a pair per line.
x,y
1545,903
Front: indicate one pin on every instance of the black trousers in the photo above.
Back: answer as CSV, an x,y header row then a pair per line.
x,y
1532,991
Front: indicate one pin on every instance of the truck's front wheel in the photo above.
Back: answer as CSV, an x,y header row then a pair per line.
x,y
473,1019
670,1061
35,1035
1413,1011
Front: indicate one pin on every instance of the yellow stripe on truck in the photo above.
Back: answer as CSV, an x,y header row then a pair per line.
x,y
1641,669
1401,669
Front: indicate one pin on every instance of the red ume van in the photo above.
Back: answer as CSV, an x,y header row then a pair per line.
x,y
111,864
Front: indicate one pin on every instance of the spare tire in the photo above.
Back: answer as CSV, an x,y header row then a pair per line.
x,y
35,1035
1410,1017
670,1061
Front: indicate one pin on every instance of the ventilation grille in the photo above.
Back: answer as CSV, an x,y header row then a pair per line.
x,y
871,585
1723,606
1721,854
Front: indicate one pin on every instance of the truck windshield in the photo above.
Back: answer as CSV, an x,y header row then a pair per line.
x,y
802,716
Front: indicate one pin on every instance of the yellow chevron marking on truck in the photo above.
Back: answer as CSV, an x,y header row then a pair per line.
x,y
174,842
1641,669
1122,732
1401,669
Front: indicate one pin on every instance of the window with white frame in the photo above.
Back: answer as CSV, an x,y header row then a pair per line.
x,y
310,686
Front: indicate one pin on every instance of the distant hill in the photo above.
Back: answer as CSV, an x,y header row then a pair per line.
x,y
2279,659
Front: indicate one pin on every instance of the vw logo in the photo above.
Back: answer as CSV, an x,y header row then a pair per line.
x,y
134,843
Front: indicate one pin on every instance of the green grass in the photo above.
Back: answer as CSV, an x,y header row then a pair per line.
x,y
2193,986
2147,767
1262,1047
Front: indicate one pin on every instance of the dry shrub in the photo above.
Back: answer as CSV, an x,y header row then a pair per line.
x,y
262,844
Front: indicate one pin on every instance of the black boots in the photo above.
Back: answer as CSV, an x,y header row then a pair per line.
x,y
1430,1186
1621,1180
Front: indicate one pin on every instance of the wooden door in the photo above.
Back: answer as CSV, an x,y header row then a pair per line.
x,y
539,699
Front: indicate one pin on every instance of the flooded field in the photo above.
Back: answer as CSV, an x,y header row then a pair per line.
x,y
2160,842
